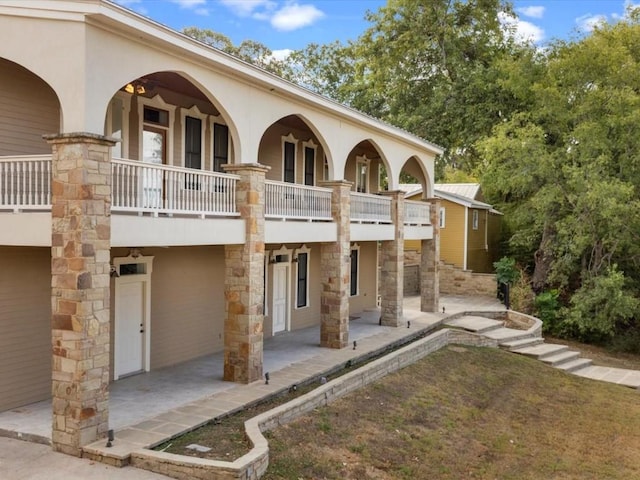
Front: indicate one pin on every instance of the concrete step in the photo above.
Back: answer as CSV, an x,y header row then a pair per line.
x,y
542,350
573,366
521,343
560,358
620,376
475,324
507,334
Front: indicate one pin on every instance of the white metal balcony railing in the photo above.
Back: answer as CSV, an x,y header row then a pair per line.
x,y
144,187
417,213
370,208
25,182
297,202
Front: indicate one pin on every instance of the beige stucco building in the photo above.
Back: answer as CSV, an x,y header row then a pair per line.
x,y
161,200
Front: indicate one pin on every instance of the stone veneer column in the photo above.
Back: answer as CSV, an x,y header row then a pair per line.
x,y
335,271
430,259
244,280
80,257
392,265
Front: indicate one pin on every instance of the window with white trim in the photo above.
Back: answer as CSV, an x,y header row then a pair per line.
x,y
442,217
220,146
355,266
302,277
289,146
362,174
474,219
309,149
156,130
193,126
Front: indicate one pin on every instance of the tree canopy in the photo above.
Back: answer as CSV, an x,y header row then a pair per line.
x,y
553,135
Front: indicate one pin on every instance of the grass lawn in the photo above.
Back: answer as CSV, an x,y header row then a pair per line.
x,y
467,412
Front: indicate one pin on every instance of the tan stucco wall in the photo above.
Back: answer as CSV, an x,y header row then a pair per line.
x,y
367,287
187,302
25,326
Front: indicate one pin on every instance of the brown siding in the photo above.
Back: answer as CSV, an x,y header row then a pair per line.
x,y
28,109
25,326
478,256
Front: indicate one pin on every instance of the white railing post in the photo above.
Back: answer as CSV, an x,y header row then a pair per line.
x,y
297,202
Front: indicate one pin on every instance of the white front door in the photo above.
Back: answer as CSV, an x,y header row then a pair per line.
x,y
280,297
130,326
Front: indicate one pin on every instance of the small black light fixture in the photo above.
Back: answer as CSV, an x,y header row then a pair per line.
x,y
109,438
266,378
355,344
443,310
408,323
293,388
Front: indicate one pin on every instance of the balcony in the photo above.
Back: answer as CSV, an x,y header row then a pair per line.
x,y
164,205
417,213
290,201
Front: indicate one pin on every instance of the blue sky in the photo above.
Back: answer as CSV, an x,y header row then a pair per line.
x,y
285,25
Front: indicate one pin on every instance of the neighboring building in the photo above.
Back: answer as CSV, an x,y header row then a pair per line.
x,y
183,203
469,228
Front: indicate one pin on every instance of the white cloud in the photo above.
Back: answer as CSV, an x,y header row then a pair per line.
x,y
294,16
588,22
126,3
532,11
281,54
521,29
191,4
198,6
245,8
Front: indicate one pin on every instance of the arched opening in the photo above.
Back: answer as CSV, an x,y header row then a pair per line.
x,y
413,175
367,168
294,153
29,108
164,118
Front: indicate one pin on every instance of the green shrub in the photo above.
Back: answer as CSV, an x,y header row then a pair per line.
x,y
600,307
547,309
506,270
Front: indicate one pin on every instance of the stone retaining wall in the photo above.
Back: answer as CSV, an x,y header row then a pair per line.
x,y
455,281
254,464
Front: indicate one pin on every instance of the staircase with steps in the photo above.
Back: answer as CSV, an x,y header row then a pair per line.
x,y
532,345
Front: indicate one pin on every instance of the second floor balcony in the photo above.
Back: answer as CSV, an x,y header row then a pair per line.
x,y
158,205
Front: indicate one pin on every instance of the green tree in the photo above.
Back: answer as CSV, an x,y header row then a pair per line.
x,y
433,67
250,51
565,172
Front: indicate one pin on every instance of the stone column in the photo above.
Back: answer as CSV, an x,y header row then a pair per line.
x,y
430,259
80,257
244,280
392,265
335,271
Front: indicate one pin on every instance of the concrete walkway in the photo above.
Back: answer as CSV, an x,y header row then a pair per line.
x,y
558,356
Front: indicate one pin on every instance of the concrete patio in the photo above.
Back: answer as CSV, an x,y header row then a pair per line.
x,y
146,408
